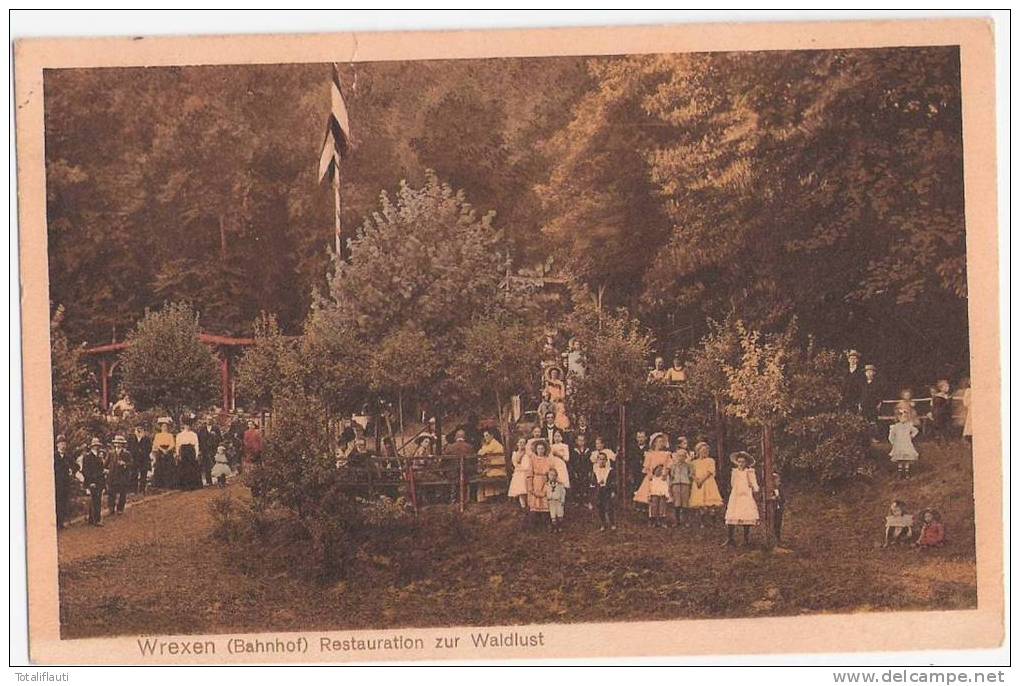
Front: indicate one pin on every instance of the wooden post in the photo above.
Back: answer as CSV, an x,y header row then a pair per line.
x,y
462,486
622,457
767,459
104,383
722,474
225,378
410,485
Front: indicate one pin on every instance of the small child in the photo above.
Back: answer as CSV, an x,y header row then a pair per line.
x,y
603,490
941,410
899,526
901,435
658,494
776,502
680,479
556,495
933,533
221,466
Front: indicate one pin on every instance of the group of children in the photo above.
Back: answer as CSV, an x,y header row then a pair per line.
x,y
899,527
676,484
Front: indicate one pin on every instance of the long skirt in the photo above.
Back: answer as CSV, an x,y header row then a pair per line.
x,y
189,471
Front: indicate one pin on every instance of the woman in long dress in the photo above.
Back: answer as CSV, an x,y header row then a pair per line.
x,y
705,495
537,475
742,508
658,455
491,465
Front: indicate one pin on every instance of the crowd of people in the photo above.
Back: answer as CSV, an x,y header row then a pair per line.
x,y
145,459
541,466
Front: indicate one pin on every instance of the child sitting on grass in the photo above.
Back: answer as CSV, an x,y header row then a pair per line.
x,y
933,533
658,494
899,525
556,495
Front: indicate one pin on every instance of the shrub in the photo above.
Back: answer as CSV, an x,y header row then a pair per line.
x,y
832,447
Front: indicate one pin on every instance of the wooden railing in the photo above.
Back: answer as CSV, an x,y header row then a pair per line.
x,y
460,472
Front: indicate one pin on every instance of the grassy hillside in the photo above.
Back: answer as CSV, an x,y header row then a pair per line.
x,y
482,568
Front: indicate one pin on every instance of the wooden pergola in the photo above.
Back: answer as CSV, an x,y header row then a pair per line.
x,y
226,348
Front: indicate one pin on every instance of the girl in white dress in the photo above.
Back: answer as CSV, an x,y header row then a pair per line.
x,y
221,467
519,480
901,435
742,508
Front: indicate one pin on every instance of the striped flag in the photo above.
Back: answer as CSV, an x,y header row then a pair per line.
x,y
337,142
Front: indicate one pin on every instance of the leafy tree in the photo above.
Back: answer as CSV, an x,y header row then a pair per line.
x,y
498,359
616,367
72,380
166,365
272,367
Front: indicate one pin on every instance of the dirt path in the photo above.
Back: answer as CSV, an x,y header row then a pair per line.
x,y
163,520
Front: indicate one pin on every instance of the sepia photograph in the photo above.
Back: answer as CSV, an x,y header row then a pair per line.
x,y
507,343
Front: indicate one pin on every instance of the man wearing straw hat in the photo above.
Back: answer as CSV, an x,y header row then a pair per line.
x,y
93,470
119,475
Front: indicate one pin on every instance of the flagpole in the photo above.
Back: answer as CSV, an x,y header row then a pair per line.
x,y
338,228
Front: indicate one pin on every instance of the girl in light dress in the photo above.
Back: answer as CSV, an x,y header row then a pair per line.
x,y
705,497
658,496
658,455
559,456
901,435
742,508
519,481
221,466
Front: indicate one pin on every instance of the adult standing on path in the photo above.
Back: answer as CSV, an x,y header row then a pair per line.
x,y
95,479
209,440
119,475
163,445
252,444
64,468
189,474
139,445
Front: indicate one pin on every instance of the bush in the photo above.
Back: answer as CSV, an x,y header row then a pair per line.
x,y
832,447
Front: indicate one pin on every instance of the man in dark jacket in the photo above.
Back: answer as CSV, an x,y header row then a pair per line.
x,y
208,440
139,446
870,398
852,381
64,469
120,475
94,471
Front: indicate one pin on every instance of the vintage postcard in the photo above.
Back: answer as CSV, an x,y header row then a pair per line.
x,y
511,345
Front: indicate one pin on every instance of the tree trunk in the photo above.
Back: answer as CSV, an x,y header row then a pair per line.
x,y
767,467
622,457
722,474
223,240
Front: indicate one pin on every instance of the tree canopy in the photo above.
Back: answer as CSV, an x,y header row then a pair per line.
x,y
821,185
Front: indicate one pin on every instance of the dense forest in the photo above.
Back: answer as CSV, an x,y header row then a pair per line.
x,y
821,185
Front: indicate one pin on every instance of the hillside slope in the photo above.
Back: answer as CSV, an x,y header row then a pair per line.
x,y
482,568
